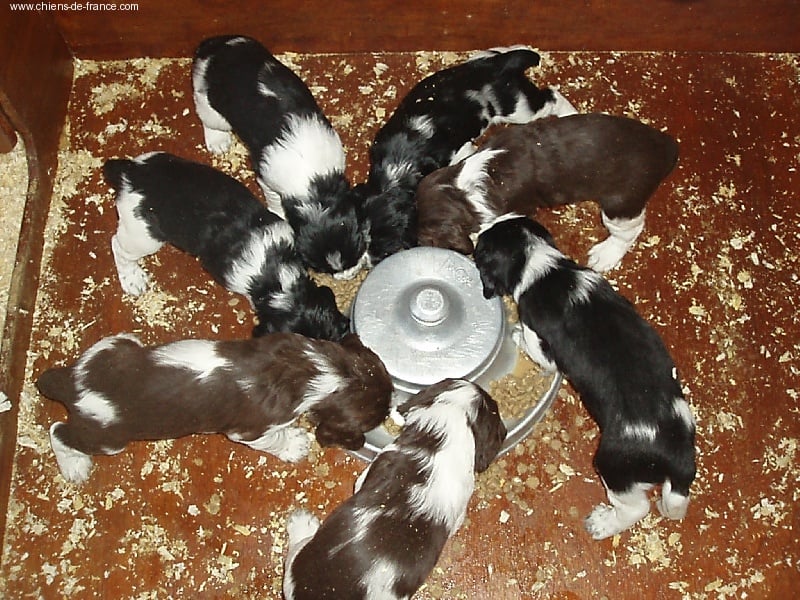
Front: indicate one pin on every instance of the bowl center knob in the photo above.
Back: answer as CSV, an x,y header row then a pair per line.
x,y
429,306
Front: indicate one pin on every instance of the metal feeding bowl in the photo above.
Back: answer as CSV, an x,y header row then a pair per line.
x,y
422,311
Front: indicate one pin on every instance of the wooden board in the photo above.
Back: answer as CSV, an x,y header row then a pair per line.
x,y
159,29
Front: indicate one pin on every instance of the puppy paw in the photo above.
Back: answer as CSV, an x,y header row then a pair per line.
x,y
603,522
217,142
73,464
132,277
672,505
527,341
295,444
133,280
606,255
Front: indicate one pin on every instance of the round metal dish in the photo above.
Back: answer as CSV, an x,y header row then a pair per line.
x,y
422,311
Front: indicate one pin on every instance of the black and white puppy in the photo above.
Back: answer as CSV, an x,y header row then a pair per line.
x,y
615,161
435,125
384,541
162,198
240,87
252,391
574,321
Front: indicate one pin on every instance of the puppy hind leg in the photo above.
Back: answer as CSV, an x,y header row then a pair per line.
x,y
623,233
217,141
272,197
287,443
73,464
625,509
527,340
300,529
672,504
216,129
129,244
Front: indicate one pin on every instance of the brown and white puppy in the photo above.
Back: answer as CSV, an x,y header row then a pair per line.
x,y
384,541
252,391
435,125
615,161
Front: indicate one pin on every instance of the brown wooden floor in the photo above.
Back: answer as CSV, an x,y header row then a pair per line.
x,y
716,272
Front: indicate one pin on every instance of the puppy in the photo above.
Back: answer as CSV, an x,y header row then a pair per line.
x,y
250,390
163,198
615,161
240,87
574,321
435,125
385,540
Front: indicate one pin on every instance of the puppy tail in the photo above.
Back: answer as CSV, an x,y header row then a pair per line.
x,y
115,169
58,384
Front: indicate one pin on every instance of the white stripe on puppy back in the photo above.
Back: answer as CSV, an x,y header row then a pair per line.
x,y
250,263
326,382
585,283
641,431
237,40
542,258
198,356
308,147
473,178
449,482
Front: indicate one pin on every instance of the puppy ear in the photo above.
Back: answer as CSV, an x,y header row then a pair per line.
x,y
330,435
489,433
425,397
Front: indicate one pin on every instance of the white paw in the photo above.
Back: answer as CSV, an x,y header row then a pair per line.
x,y
295,444
73,464
348,274
530,343
672,505
301,525
217,142
133,280
563,107
603,522
607,254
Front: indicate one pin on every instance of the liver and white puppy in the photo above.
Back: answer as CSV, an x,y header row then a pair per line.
x,y
240,87
435,125
385,540
162,198
574,321
252,391
615,161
